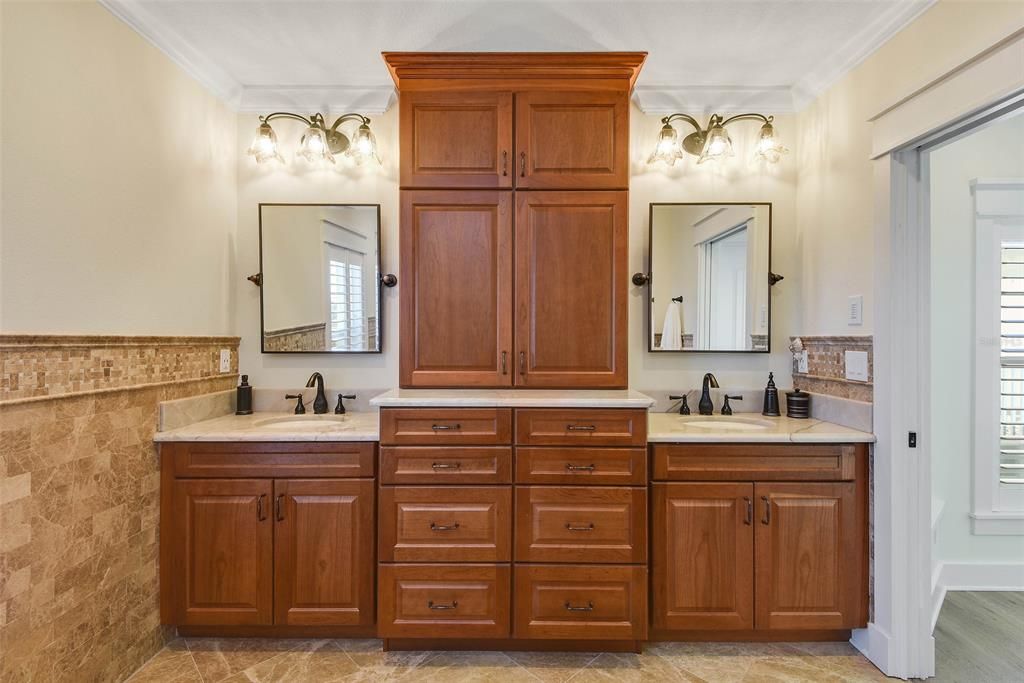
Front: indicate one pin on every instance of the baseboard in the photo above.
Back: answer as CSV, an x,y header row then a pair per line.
x,y
974,576
873,643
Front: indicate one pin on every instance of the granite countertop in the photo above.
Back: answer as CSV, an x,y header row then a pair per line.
x,y
352,427
673,428
511,398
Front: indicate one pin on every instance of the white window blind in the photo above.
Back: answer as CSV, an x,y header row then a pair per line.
x,y
1011,370
348,329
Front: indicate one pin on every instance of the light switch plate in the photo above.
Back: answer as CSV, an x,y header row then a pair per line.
x,y
801,364
855,310
857,365
225,360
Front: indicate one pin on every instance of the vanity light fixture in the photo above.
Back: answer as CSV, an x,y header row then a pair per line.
x,y
713,142
318,143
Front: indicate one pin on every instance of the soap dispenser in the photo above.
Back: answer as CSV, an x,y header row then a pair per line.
x,y
243,397
771,398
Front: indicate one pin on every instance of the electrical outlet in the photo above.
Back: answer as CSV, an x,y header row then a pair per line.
x,y
855,310
225,360
801,364
857,365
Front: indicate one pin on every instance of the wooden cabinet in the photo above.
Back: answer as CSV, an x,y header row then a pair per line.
x,y
572,140
703,556
445,427
456,139
222,565
267,553
771,557
456,299
571,286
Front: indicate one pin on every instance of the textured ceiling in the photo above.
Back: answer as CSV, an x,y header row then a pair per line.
x,y
248,52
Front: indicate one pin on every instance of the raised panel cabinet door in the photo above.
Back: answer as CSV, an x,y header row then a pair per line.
x,y
324,561
810,556
223,537
456,140
572,140
571,290
456,301
702,573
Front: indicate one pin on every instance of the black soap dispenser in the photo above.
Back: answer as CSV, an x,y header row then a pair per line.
x,y
771,398
243,397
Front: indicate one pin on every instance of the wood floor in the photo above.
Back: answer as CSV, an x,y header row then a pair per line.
x,y
979,638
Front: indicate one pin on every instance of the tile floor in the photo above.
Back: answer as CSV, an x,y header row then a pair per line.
x,y
211,660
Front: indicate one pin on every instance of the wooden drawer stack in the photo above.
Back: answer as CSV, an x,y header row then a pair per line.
x,y
445,529
580,555
568,563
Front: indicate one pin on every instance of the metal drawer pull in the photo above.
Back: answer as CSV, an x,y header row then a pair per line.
x,y
443,527
504,162
579,468
749,518
504,362
589,607
440,605
581,428
522,164
279,507
259,507
442,428
446,465
767,519
570,527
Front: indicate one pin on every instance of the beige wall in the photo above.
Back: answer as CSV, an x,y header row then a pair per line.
x,y
835,192
119,189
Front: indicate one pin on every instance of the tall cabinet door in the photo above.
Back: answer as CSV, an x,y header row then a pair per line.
x,y
809,556
703,556
572,140
456,139
571,289
323,552
222,536
456,299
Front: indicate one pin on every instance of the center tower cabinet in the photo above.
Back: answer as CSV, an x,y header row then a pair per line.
x,y
514,181
503,526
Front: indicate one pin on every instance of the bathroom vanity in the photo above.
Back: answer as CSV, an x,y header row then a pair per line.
x,y
515,519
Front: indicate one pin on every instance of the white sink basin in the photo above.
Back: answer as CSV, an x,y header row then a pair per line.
x,y
724,423
303,423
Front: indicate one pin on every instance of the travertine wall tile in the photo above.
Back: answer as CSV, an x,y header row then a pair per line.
x,y
826,366
79,499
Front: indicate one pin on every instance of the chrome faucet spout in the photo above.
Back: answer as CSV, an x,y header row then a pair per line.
x,y
320,402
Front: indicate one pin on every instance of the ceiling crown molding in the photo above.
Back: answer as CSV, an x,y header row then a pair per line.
x,y
366,99
708,99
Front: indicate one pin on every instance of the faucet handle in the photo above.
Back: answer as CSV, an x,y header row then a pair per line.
x,y
684,409
300,408
726,408
340,408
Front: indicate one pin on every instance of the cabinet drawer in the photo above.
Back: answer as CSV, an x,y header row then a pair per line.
x,y
445,524
445,426
264,459
443,601
554,465
578,601
445,465
581,524
755,462
581,427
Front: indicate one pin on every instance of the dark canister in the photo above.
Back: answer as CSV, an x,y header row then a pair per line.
x,y
243,397
771,398
798,404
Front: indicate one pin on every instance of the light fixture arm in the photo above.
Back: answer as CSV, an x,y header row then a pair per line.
x,y
348,117
288,115
741,117
683,117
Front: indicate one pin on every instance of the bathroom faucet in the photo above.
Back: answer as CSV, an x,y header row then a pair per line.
x,y
706,406
320,402
684,409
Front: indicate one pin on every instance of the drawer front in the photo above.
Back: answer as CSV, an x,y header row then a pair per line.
x,y
581,427
445,426
445,524
260,459
443,601
445,465
579,601
581,524
581,466
755,462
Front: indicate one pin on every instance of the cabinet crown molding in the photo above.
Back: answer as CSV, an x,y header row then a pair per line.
x,y
513,66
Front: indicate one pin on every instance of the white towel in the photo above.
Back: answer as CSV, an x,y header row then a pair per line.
x,y
672,333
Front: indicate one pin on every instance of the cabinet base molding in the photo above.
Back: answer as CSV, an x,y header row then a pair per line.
x,y
752,636
512,644
278,631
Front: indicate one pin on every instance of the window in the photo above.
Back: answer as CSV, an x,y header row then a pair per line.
x,y
1011,365
348,329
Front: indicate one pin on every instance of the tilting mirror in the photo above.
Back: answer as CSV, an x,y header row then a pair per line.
x,y
320,278
708,277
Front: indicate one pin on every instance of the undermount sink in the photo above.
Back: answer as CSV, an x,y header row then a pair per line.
x,y
727,423
303,423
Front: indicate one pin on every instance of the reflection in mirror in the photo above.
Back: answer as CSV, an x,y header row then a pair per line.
x,y
709,269
321,278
